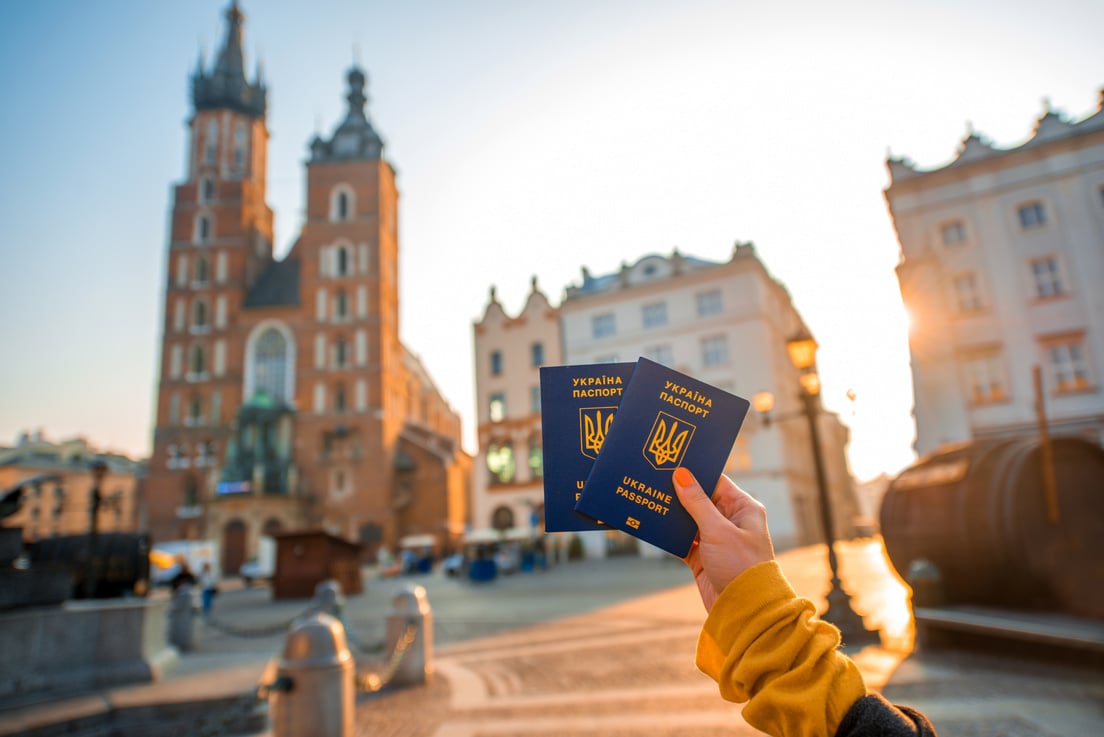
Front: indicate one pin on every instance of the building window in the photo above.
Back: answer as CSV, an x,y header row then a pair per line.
x,y
536,355
1032,215
206,190
661,354
1069,369
270,364
497,407
202,271
241,146
341,305
191,493
216,407
985,379
342,265
195,412
966,293
500,462
203,229
210,143
655,315
341,203
199,316
496,363
205,454
536,458
197,366
339,398
612,358
709,303
603,326
174,409
953,233
341,354
172,457
715,351
1047,278
535,399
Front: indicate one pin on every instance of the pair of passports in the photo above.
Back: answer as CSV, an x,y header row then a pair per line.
x,y
613,433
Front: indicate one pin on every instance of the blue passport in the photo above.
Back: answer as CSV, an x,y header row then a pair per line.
x,y
577,405
667,419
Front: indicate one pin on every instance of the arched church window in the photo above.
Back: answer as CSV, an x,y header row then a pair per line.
x,y
206,189
270,358
203,229
210,142
341,305
342,261
339,398
342,203
241,146
199,316
198,362
341,353
202,270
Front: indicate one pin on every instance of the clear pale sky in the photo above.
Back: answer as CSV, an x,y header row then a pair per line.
x,y
530,139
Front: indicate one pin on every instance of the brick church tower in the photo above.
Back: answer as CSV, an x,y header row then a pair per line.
x,y
287,399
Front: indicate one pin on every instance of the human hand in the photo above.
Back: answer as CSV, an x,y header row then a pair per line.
x,y
732,533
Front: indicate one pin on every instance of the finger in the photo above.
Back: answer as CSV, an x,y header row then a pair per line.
x,y
694,499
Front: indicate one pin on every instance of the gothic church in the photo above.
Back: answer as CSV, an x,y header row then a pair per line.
x,y
286,399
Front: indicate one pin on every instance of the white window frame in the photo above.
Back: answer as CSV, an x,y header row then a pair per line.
x,y
1050,284
714,351
709,303
1068,364
603,325
967,293
986,378
350,203
654,314
1032,215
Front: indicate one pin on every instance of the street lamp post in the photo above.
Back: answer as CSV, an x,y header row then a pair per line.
x,y
802,349
99,470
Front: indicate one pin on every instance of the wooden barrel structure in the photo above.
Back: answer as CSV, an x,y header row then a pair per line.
x,y
982,514
120,564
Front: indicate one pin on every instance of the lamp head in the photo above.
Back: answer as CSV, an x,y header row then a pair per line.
x,y
802,348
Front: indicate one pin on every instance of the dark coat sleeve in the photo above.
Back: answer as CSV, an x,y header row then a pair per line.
x,y
873,716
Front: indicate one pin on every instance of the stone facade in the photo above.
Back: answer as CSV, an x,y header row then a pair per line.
x,y
1001,266
725,323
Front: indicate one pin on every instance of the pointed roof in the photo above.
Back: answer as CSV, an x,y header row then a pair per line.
x,y
226,86
355,138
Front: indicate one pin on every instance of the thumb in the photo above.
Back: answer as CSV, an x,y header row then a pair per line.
x,y
694,499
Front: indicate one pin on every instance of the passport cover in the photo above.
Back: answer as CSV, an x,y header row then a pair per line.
x,y
577,404
667,419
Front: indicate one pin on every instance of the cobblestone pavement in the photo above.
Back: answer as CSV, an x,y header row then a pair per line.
x,y
627,669
606,648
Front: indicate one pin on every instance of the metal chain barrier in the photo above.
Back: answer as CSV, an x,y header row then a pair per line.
x,y
373,682
368,648
259,631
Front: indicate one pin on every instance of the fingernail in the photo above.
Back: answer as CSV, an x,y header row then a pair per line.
x,y
683,477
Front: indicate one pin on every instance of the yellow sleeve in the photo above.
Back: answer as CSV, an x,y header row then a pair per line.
x,y
763,644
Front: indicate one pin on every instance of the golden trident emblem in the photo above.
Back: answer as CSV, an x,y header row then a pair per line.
x,y
594,422
667,441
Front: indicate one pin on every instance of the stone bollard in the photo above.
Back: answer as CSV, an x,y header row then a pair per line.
x,y
314,691
410,607
328,598
182,619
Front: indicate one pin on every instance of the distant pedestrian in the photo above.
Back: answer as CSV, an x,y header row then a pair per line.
x,y
184,575
762,643
208,588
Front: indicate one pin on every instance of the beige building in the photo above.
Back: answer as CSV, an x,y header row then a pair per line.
x,y
1001,267
60,504
725,323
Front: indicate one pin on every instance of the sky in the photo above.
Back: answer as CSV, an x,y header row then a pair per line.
x,y
531,139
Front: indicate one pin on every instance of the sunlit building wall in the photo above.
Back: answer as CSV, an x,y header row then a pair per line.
x,y
726,323
508,353
61,502
1001,267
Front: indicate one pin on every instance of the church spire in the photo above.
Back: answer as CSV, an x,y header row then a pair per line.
x,y
226,86
355,138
